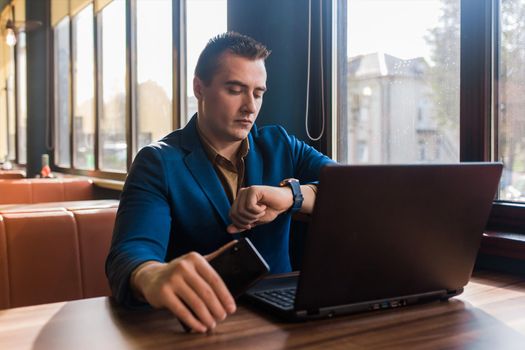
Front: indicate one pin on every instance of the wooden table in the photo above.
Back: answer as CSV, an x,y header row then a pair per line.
x,y
490,314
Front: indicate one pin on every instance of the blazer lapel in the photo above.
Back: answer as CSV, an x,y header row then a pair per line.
x,y
254,162
203,172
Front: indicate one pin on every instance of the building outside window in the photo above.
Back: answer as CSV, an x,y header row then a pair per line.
x,y
399,69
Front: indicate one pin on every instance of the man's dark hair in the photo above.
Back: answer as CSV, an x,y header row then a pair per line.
x,y
237,44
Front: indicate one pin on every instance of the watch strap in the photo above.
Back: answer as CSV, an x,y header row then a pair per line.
x,y
298,198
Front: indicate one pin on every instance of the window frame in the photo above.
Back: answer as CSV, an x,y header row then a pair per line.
x,y
480,83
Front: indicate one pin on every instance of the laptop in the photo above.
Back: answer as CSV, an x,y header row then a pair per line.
x,y
385,236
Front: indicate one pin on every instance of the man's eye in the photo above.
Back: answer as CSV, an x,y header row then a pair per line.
x,y
234,92
258,96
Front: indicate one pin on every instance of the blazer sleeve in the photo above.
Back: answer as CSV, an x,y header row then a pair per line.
x,y
143,223
307,161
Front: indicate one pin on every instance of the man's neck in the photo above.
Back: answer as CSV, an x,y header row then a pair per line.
x,y
229,151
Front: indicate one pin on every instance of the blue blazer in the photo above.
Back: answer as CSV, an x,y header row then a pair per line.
x,y
173,201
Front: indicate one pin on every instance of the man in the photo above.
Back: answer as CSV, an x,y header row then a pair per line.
x,y
198,188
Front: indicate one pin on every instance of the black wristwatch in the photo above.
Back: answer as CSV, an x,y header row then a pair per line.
x,y
297,194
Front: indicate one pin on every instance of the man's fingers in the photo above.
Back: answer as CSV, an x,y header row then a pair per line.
x,y
234,229
207,295
177,307
252,204
191,289
240,220
239,215
248,203
241,225
246,210
248,217
215,281
193,301
257,205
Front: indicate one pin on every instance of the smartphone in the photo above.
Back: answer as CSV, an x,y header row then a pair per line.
x,y
240,266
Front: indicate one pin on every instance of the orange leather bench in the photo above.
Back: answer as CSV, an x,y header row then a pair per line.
x,y
12,174
56,253
45,190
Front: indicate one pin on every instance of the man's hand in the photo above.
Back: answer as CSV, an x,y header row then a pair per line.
x,y
189,287
256,205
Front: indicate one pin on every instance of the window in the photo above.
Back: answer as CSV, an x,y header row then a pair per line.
x,y
492,87
401,81
112,117
21,96
511,103
154,70
204,19
62,104
83,90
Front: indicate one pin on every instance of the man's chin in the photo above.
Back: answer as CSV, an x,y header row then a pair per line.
x,y
240,134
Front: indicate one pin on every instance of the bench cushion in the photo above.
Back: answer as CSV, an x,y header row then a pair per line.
x,y
43,257
94,227
55,252
4,277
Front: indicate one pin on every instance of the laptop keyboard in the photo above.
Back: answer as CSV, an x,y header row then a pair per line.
x,y
283,298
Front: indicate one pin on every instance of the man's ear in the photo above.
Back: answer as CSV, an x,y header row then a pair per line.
x,y
197,87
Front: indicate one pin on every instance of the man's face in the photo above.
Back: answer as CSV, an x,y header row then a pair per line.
x,y
229,105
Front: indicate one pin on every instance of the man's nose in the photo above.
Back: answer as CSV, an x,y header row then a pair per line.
x,y
249,104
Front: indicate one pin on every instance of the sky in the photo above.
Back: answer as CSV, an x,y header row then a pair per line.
x,y
396,27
